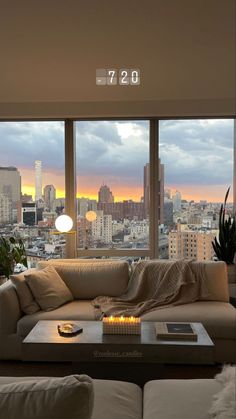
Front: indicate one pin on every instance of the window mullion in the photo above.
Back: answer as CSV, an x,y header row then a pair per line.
x,y
154,197
70,185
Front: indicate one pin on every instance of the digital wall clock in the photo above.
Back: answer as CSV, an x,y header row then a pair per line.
x,y
122,77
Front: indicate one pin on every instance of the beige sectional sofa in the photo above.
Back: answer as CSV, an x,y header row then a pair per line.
x,y
86,280
160,399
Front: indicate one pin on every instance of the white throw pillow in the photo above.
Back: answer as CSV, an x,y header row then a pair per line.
x,y
224,402
27,302
50,398
48,289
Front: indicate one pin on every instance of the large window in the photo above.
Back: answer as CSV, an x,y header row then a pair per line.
x,y
197,169
32,185
145,188
113,183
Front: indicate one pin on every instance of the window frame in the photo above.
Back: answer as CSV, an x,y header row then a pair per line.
x,y
70,181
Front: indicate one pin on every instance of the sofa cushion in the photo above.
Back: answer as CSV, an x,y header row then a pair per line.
x,y
116,400
48,289
47,398
75,310
218,318
27,301
89,280
112,399
179,399
216,280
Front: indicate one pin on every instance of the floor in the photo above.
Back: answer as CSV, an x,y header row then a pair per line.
x,y
137,373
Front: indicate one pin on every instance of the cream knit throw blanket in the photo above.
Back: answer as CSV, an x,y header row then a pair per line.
x,y
153,285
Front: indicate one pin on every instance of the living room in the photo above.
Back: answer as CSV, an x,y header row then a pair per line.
x,y
119,119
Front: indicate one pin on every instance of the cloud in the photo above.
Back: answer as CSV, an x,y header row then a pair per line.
x,y
197,152
24,142
123,159
194,152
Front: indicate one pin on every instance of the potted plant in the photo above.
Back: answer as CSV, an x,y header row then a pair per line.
x,y
12,251
225,245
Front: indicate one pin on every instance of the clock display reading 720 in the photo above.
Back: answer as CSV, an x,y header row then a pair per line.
x,y
123,77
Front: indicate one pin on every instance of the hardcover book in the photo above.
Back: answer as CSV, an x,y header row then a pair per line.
x,y
175,331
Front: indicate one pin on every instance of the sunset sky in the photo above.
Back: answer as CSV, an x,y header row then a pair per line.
x,y
197,154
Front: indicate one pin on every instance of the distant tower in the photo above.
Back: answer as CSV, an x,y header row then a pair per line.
x,y
10,189
38,180
176,198
105,195
49,193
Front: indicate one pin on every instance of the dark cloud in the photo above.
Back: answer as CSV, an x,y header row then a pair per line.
x,y
124,158
196,152
24,142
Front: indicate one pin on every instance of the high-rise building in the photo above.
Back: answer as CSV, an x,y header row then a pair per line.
x,y
10,187
49,193
121,210
168,212
38,179
190,244
176,198
29,212
160,190
5,209
85,205
102,228
105,195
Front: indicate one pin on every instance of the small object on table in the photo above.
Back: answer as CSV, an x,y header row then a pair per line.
x,y
121,325
175,331
69,329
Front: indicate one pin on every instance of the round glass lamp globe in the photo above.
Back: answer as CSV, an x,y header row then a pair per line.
x,y
91,216
64,223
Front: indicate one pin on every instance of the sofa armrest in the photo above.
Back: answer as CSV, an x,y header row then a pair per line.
x,y
10,311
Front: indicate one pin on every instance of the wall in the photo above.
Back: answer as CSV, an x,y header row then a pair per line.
x,y
50,50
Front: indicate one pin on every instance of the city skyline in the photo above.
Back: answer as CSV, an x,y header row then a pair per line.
x,y
197,154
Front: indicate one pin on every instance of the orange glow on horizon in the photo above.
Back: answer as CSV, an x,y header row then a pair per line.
x,y
89,187
30,190
209,193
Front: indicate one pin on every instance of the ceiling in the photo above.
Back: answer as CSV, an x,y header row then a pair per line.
x,y
50,50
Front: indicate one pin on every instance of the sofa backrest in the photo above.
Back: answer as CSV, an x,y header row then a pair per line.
x,y
216,280
89,279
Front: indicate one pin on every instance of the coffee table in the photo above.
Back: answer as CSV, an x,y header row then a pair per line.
x,y
44,344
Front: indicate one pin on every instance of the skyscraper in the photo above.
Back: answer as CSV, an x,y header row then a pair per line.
x,y
38,179
5,209
176,198
10,187
49,193
105,195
